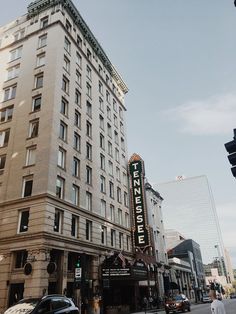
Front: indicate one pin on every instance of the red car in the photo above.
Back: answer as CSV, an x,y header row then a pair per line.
x,y
178,303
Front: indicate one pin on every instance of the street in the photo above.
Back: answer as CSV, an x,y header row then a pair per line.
x,y
230,307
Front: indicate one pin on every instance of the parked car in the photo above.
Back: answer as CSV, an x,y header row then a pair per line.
x,y
232,296
178,303
206,298
56,304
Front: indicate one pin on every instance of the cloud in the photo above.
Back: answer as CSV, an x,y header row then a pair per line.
x,y
215,115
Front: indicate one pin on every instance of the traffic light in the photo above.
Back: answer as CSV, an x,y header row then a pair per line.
x,y
78,263
231,149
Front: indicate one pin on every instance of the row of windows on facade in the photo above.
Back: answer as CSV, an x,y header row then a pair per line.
x,y
13,71
23,227
75,199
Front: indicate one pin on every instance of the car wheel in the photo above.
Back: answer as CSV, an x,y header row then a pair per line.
x,y
189,309
167,312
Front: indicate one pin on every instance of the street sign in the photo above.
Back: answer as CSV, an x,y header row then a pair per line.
x,y
78,273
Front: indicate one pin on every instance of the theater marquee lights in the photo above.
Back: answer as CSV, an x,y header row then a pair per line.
x,y
138,202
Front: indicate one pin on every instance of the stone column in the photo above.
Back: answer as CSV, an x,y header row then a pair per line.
x,y
36,283
5,270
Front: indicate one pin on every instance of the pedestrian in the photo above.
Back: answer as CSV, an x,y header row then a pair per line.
x,y
217,307
145,303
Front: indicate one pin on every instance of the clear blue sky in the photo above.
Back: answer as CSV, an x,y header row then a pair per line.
x,y
178,60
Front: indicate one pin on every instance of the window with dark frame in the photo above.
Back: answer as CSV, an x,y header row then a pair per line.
x,y
24,221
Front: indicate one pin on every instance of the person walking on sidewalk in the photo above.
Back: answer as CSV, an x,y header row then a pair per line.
x,y
217,307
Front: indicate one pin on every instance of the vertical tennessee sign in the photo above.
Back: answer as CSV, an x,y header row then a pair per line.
x,y
140,230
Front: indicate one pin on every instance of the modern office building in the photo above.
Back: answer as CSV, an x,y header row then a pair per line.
x,y
189,208
64,198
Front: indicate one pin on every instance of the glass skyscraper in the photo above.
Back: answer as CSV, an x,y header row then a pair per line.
x,y
189,207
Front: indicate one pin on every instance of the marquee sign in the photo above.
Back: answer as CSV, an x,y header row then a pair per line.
x,y
140,228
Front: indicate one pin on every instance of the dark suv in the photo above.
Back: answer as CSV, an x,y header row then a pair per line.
x,y
53,304
179,303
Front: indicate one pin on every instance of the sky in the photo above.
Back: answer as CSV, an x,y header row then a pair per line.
x,y
178,60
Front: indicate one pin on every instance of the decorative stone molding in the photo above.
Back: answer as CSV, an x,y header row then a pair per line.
x,y
34,8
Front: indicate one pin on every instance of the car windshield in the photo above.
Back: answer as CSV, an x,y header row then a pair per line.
x,y
178,298
24,306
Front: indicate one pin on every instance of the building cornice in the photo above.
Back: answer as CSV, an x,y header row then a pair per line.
x,y
38,6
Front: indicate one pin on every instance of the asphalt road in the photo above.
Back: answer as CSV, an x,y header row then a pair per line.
x,y
230,307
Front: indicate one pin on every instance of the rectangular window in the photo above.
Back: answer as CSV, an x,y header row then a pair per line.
x,y
102,161
88,129
36,103
74,226
110,151
101,104
126,201
88,151
77,141
102,184
58,220
42,41
103,208
108,113
4,137
120,113
112,213
110,168
127,220
114,105
102,141
117,173
67,45
44,22
79,41
30,156
78,77
120,220
128,242
117,155
64,107
103,235
122,143
66,64
16,53
77,97
88,230
38,81
78,59
75,195
113,238
100,87
68,26
33,128
60,187
115,121
89,90
109,130
20,258
23,221
88,175
122,127
9,93
121,240
118,194
116,138
89,72
107,96
111,189
65,85
89,201
63,131
101,120
13,72
19,35
6,114
27,186
76,167
2,163
89,109
89,55
77,119
40,60
61,160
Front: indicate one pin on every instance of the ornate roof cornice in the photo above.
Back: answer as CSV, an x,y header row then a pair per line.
x,y
38,6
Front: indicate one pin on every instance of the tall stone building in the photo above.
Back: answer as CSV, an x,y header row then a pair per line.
x,y
63,158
